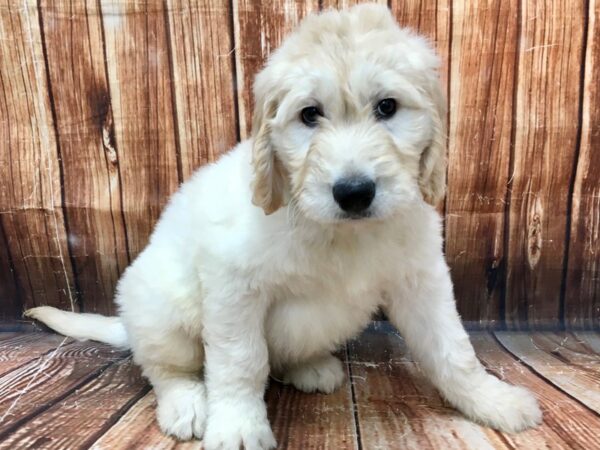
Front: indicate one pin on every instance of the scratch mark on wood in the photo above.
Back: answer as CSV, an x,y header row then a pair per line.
x,y
38,372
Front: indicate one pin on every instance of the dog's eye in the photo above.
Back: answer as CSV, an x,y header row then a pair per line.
x,y
310,116
386,108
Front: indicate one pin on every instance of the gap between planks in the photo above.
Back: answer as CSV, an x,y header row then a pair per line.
x,y
387,404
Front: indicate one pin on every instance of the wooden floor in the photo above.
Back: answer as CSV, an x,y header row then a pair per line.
x,y
62,394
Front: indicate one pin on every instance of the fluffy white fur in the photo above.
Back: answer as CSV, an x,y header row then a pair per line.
x,y
254,268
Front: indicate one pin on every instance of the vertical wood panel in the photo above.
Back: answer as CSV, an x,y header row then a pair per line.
x,y
30,193
149,90
201,42
10,301
142,105
545,142
582,301
90,158
260,26
484,46
431,19
341,4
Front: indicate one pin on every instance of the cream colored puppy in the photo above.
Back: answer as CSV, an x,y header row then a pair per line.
x,y
273,257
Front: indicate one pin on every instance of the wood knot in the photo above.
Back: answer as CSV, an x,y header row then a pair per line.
x,y
534,235
495,269
108,139
99,101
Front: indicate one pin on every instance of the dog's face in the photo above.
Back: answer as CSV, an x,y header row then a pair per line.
x,y
349,120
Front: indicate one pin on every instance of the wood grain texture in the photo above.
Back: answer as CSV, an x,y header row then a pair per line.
x,y
105,107
582,299
260,26
79,419
591,339
22,348
4,335
397,408
301,420
546,113
342,4
431,19
138,429
33,387
394,406
90,158
484,47
139,74
561,358
202,52
31,216
567,424
10,295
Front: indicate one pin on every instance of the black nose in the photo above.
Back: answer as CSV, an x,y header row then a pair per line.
x,y
354,195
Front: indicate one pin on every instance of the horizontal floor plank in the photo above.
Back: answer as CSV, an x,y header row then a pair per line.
x,y
590,338
564,359
305,421
80,418
22,348
4,335
138,429
33,387
567,424
299,420
398,408
87,394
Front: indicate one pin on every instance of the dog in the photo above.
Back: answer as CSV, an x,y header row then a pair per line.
x,y
270,259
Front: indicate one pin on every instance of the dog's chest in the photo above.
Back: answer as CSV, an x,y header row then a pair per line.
x,y
336,270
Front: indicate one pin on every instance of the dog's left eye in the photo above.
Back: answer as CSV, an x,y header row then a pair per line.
x,y
386,108
310,116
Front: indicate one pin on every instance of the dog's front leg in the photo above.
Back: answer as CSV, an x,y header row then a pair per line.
x,y
422,307
236,371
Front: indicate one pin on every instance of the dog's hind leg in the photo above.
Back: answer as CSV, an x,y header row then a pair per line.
x,y
323,374
173,365
161,311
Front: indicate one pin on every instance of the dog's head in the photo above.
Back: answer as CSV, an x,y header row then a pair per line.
x,y
349,120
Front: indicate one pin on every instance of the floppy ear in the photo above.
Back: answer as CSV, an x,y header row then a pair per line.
x,y
432,180
270,179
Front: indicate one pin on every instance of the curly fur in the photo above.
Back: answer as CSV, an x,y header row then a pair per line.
x,y
224,293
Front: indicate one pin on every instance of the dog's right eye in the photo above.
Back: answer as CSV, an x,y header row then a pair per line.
x,y
310,116
386,108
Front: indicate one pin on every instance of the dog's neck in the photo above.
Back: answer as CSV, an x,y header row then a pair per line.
x,y
346,234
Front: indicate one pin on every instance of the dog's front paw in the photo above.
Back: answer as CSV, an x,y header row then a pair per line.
x,y
323,375
501,406
237,426
181,410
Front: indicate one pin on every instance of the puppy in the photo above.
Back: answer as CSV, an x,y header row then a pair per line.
x,y
273,257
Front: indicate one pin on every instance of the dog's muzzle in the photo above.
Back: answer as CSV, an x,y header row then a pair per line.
x,y
354,195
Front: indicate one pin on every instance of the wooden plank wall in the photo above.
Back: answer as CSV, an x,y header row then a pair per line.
x,y
107,106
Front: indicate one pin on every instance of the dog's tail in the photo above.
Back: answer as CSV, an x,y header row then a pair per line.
x,y
82,326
